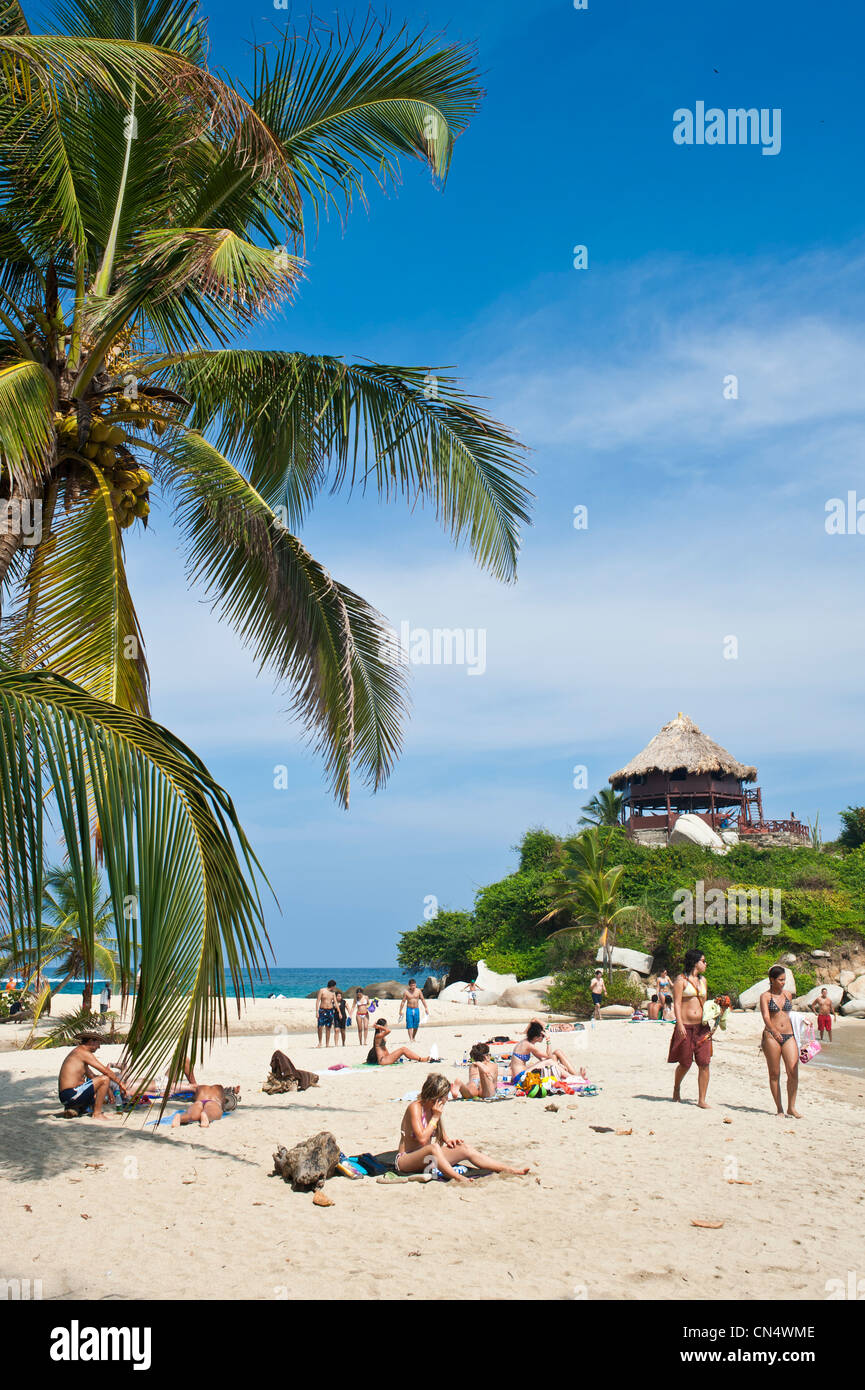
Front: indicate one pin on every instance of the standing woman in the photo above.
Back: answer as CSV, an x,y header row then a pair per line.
x,y
359,1011
692,1038
779,1040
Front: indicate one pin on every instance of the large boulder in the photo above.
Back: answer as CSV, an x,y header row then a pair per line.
x,y
616,1011
628,960
835,993
529,995
846,978
856,988
491,983
854,1008
750,998
308,1164
386,989
431,987
693,830
730,837
456,994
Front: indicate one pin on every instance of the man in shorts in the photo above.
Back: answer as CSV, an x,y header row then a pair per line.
x,y
824,1009
598,989
77,1085
411,1006
325,1005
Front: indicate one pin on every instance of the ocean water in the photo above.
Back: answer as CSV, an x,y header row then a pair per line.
x,y
297,982
846,1052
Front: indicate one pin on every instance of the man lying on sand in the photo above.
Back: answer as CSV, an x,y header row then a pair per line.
x,y
378,1053
77,1085
210,1103
423,1142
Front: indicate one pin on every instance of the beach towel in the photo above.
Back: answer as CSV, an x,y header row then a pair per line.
x,y
284,1069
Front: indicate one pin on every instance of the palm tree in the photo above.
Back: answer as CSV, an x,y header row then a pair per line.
x,y
67,943
150,214
584,886
605,808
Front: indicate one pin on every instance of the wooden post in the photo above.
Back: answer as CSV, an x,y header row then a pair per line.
x,y
669,827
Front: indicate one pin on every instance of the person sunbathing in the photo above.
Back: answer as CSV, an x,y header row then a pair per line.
x,y
210,1104
556,1062
423,1143
483,1076
378,1054
78,1086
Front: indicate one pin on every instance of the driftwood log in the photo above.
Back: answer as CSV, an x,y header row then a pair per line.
x,y
309,1164
275,1086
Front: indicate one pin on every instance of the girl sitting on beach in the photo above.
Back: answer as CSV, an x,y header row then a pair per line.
x,y
483,1076
558,1063
424,1144
378,1054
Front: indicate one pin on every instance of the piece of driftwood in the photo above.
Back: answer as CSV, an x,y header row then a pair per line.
x,y
275,1086
309,1164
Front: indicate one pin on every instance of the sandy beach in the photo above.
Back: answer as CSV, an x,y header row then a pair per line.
x,y
123,1209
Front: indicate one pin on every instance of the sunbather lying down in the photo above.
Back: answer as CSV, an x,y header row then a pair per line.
x,y
210,1103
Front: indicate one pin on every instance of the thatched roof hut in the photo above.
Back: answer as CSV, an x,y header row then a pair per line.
x,y
682,745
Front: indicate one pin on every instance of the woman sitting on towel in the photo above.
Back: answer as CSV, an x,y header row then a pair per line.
x,y
483,1076
378,1054
423,1144
557,1062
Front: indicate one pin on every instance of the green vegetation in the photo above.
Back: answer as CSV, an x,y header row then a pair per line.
x,y
853,833
822,903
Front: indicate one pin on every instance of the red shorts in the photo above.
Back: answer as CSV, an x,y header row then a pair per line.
x,y
824,1023
695,1046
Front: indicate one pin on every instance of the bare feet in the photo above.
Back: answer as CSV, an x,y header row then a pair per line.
x,y
794,1115
676,1095
205,1120
175,1123
520,1172
703,1105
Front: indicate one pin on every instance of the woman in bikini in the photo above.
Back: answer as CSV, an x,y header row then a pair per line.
x,y
359,1011
424,1144
776,1005
483,1076
692,1038
378,1054
555,1061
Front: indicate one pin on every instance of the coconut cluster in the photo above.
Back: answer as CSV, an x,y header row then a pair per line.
x,y
106,445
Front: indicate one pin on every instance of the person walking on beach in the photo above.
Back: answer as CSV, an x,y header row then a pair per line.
x,y
378,1054
340,1014
664,985
471,989
78,1087
779,1040
824,1009
412,1000
360,1011
598,990
424,1144
692,1038
325,1004
105,999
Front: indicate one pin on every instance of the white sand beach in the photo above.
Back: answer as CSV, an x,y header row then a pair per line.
x,y
119,1209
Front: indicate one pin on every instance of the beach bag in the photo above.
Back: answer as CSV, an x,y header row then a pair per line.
x,y
809,1046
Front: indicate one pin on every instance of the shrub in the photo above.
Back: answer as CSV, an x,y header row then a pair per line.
x,y
570,992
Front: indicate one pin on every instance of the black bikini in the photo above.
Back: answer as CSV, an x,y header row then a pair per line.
x,y
787,1008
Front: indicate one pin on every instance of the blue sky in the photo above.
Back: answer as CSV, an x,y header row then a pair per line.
x,y
705,515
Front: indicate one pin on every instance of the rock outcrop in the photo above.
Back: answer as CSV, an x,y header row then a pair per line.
x,y
628,960
750,998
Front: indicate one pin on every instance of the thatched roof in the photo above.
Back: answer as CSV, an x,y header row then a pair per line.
x,y
681,744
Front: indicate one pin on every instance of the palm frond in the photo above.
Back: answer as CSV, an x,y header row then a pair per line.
x,y
173,847
294,421
325,641
75,613
27,395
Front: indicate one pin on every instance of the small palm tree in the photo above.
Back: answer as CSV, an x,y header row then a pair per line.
x,y
67,943
605,808
585,887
